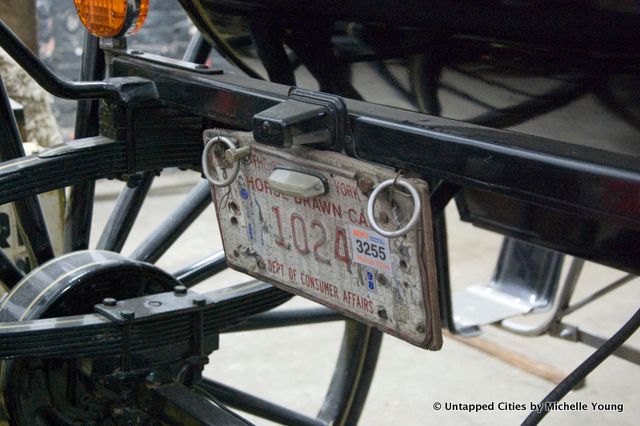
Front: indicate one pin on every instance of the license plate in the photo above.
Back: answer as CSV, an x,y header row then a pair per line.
x,y
324,248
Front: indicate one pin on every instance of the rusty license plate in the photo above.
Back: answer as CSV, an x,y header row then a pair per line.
x,y
323,247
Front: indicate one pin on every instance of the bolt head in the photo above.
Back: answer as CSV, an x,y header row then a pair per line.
x,y
180,289
199,301
109,301
128,315
365,185
266,127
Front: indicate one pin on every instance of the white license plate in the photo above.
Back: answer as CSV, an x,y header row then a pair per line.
x,y
323,248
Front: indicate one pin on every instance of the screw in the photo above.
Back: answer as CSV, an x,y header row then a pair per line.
x,y
234,155
155,303
109,301
365,185
180,289
128,315
199,301
382,280
266,127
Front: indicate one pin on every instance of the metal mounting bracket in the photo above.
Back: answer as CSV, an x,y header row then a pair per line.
x,y
305,117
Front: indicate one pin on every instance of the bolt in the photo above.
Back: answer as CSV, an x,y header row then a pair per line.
x,y
365,185
180,289
266,127
202,67
109,301
128,315
566,333
199,301
155,303
232,155
382,280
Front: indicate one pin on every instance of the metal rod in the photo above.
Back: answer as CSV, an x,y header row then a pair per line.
x,y
79,215
177,222
175,403
287,318
614,285
556,312
202,269
583,370
124,214
198,49
30,218
45,77
257,406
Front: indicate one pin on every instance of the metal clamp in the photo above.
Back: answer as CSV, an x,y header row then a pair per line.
x,y
222,179
414,217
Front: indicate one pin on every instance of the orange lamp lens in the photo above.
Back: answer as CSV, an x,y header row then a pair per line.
x,y
112,18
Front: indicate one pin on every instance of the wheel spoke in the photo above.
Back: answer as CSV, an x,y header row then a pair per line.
x,y
10,275
198,49
79,214
32,224
353,374
178,221
201,269
257,406
124,214
287,318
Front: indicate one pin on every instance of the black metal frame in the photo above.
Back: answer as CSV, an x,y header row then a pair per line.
x,y
152,116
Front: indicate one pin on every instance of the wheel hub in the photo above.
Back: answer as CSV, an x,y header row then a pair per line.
x,y
72,391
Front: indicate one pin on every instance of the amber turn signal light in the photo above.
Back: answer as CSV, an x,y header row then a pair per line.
x,y
112,18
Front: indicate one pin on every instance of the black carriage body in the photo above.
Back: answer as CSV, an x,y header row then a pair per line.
x,y
555,70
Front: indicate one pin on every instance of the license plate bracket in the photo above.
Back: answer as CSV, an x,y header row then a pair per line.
x,y
323,248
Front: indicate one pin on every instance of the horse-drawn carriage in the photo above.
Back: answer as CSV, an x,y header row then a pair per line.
x,y
327,194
